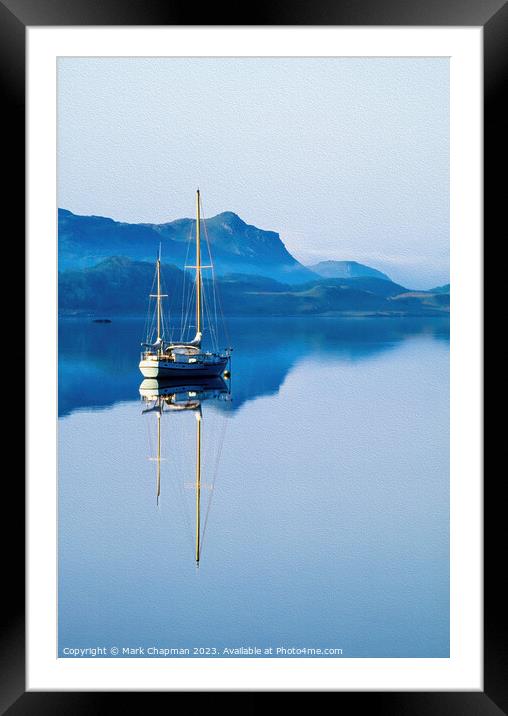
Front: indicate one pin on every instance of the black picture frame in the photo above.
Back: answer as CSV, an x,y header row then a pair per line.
x,y
15,17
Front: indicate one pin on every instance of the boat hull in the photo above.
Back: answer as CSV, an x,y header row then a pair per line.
x,y
178,370
168,386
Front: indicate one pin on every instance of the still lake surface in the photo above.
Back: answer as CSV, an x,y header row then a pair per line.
x,y
324,500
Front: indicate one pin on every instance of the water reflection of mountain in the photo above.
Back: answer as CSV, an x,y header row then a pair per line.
x,y
98,362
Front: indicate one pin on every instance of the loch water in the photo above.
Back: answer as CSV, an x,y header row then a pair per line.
x,y
324,494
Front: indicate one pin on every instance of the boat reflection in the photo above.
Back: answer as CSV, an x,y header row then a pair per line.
x,y
170,397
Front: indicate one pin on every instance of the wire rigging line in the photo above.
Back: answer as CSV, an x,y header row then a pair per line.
x,y
216,291
220,444
186,288
212,326
166,320
212,282
149,320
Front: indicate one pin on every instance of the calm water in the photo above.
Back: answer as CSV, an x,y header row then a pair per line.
x,y
324,500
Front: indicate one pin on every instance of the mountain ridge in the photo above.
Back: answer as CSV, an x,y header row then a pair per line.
x,y
345,269
236,245
119,286
237,248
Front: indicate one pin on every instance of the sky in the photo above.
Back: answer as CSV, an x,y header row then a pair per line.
x,y
346,158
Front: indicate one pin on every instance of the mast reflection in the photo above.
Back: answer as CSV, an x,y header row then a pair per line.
x,y
170,396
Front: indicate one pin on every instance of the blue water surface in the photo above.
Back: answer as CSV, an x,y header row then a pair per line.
x,y
324,503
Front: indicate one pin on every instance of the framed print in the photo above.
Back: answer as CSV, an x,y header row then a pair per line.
x,y
254,354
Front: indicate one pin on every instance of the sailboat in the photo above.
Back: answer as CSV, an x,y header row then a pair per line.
x,y
166,359
178,397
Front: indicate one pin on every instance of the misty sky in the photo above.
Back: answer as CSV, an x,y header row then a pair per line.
x,y
347,158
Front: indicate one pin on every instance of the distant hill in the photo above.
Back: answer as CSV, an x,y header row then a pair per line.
x,y
441,289
83,241
370,284
345,269
422,300
117,285
120,286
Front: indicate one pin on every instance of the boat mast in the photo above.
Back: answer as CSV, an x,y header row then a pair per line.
x,y
159,452
198,483
198,266
159,295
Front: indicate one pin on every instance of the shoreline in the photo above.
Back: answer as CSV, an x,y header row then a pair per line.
x,y
94,317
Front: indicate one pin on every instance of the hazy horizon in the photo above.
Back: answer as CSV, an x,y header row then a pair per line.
x,y
346,158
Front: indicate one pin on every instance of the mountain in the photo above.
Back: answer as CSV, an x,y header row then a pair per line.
x,y
441,289
423,300
345,269
120,286
116,285
83,241
370,284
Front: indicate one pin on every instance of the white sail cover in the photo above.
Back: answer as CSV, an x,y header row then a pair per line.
x,y
191,347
